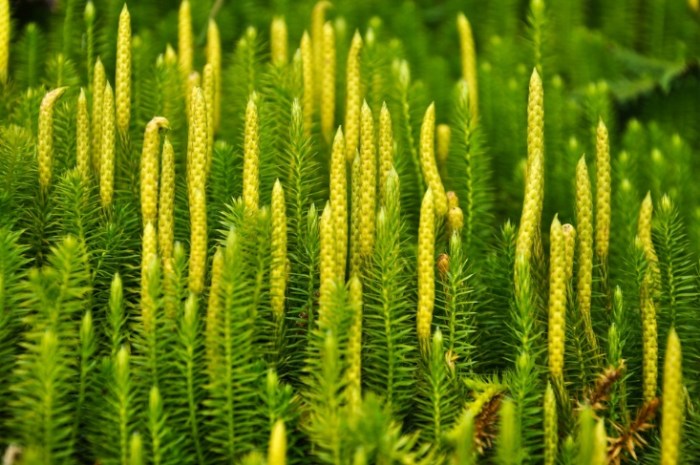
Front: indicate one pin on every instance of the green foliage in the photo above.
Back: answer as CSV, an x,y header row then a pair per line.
x,y
390,356
97,367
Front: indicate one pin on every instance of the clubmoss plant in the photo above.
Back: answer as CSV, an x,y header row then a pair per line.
x,y
386,149
4,40
426,270
185,40
673,400
534,172
353,97
45,146
584,226
326,74
198,264
278,41
428,162
99,81
107,147
83,136
123,73
214,59
339,201
309,78
468,62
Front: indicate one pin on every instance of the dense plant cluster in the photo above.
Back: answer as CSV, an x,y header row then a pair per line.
x,y
363,232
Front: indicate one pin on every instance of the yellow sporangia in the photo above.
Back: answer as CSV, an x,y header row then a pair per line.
x,y
647,305
368,181
584,224
149,169
644,233
353,97
185,41
193,81
214,59
428,163
196,187
308,77
326,262
354,371
426,270
213,318
122,82
455,215
557,301
251,156
197,143
277,451
278,267
602,187
166,202
551,435
170,56
107,147
278,41
534,173
355,213
650,343
600,444
148,258
198,241
5,34
82,127
209,91
442,146
327,92
45,144
318,20
569,248
386,149
673,401
468,59
99,80
339,201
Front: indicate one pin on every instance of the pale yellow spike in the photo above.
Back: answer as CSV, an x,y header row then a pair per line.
x,y
149,169
339,200
428,162
99,79
251,157
45,145
308,77
5,34
123,73
83,137
278,41
318,19
214,59
185,48
353,97
107,147
468,58
327,92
